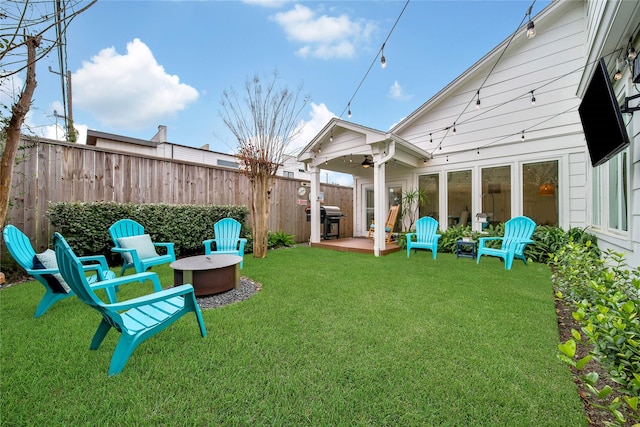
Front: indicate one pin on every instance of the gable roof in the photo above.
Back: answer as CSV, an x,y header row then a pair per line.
x,y
485,62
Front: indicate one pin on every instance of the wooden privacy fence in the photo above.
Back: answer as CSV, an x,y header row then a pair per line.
x,y
54,171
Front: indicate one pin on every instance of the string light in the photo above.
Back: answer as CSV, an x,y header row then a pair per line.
x,y
430,139
454,128
331,137
478,101
383,61
618,74
631,55
531,29
478,151
522,137
533,99
349,111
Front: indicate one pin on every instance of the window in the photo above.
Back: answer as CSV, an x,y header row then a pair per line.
x,y
596,196
459,197
496,193
618,192
287,174
430,185
540,192
227,163
610,192
395,198
369,206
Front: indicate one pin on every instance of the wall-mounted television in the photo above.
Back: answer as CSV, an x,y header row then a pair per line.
x,y
601,118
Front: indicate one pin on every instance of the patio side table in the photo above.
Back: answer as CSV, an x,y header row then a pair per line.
x,y
466,249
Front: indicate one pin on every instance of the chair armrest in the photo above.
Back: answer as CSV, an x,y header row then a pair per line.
x,y
123,280
242,241
99,264
135,260
39,272
100,259
208,244
151,298
481,240
409,236
168,246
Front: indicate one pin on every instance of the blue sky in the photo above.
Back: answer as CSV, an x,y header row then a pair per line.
x,y
139,64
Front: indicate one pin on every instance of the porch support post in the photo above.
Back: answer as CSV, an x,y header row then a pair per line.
x,y
314,203
379,212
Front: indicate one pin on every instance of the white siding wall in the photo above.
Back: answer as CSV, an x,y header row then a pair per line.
x,y
551,64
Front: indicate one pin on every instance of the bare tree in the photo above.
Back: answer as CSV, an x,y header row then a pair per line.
x,y
264,121
26,29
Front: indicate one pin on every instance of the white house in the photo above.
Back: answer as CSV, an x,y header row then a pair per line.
x,y
505,138
158,146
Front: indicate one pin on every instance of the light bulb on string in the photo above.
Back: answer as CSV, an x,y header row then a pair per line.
x,y
631,54
522,137
349,110
533,99
531,28
478,101
383,60
430,139
454,128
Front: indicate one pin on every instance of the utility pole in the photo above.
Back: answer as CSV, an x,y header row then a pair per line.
x,y
68,113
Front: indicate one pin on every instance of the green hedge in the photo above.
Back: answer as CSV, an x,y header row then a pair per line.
x,y
86,225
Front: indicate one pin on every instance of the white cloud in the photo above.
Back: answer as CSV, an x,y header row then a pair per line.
x,y
130,91
320,116
324,36
396,91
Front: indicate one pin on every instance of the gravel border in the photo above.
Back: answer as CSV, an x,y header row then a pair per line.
x,y
246,290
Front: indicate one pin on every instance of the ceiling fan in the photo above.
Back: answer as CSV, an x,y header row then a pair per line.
x,y
367,162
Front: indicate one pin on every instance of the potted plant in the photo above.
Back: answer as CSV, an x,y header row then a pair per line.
x,y
412,200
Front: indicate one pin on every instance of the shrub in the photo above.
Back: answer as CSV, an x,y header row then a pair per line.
x,y
280,239
605,294
85,225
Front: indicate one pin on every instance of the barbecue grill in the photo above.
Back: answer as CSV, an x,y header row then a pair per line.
x,y
329,216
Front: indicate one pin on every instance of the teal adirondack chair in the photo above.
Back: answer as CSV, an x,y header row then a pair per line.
x,y
517,235
227,239
426,236
21,250
136,247
136,319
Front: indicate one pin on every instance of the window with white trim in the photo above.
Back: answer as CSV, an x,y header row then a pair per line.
x,y
618,192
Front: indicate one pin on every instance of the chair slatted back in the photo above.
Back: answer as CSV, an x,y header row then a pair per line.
x,y
517,230
19,246
71,270
426,228
125,228
227,232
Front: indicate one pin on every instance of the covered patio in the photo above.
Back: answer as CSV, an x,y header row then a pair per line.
x,y
375,159
360,245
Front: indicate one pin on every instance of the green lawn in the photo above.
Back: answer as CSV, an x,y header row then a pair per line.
x,y
334,338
